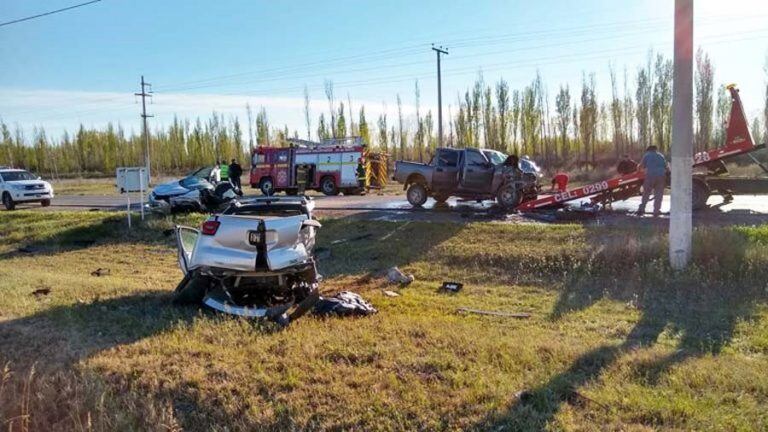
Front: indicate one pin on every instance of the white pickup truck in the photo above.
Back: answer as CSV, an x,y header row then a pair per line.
x,y
21,186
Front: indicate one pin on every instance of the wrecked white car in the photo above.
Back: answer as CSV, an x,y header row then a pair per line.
x,y
255,259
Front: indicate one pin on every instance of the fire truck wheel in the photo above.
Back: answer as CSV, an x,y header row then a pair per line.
x,y
417,194
328,186
267,186
508,197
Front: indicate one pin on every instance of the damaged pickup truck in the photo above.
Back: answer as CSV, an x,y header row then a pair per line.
x,y
255,259
474,174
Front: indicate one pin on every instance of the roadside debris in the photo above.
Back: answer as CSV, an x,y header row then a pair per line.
x,y
41,292
395,275
494,313
101,272
453,287
345,303
389,293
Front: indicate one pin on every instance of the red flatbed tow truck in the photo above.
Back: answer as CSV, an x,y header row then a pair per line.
x,y
738,142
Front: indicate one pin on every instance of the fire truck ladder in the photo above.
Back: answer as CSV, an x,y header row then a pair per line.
x,y
738,142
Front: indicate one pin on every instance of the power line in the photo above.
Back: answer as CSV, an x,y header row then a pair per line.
x,y
48,13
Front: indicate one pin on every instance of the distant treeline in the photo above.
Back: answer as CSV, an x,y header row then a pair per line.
x,y
576,127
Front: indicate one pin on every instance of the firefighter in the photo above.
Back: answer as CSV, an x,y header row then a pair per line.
x,y
560,182
361,173
224,168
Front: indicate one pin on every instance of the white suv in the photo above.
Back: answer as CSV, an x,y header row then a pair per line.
x,y
21,186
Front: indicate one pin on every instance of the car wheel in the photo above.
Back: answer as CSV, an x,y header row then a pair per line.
x,y
8,201
417,194
328,186
441,198
508,197
45,202
267,186
191,290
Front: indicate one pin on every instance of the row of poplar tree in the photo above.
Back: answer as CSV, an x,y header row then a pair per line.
x,y
575,129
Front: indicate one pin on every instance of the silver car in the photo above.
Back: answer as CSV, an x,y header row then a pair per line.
x,y
255,259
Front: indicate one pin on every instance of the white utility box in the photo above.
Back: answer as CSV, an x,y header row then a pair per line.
x,y
132,179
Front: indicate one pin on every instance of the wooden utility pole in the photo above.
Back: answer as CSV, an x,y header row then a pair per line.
x,y
144,95
680,220
439,50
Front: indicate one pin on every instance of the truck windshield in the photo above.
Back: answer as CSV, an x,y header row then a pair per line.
x,y
496,157
10,176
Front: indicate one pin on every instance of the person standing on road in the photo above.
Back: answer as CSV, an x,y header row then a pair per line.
x,y
235,171
655,166
559,182
215,176
224,170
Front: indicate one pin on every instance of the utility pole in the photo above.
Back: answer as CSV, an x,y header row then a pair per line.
x,y
439,50
144,95
680,220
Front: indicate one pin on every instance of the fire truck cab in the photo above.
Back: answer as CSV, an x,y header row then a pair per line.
x,y
330,166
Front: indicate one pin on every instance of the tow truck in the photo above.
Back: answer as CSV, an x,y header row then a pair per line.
x,y
709,166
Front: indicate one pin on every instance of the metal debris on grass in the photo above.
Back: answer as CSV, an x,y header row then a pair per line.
x,y
494,313
100,272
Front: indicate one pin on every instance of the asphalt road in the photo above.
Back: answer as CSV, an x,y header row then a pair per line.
x,y
745,209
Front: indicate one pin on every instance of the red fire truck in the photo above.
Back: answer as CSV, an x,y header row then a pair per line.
x,y
329,166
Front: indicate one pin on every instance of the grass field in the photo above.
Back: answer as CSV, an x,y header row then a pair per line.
x,y
615,341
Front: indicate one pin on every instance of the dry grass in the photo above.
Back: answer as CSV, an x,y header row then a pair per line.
x,y
616,340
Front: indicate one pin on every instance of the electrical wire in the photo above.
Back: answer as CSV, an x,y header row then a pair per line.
x,y
16,21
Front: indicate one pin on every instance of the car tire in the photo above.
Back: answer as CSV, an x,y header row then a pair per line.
x,y
191,289
267,186
45,202
328,186
8,201
508,197
417,194
441,198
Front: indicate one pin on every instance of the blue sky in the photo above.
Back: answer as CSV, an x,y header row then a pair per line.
x,y
84,65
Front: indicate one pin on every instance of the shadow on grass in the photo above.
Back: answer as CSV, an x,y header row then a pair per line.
x,y
372,247
111,229
695,306
63,335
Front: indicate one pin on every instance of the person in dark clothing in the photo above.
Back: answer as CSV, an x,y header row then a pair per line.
x,y
235,171
626,165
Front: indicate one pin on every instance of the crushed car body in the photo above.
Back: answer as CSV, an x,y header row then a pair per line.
x,y
254,259
193,193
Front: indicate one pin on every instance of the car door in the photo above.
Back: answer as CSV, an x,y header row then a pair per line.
x,y
186,240
445,176
477,172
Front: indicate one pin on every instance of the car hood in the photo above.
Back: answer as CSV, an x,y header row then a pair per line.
x,y
29,182
172,188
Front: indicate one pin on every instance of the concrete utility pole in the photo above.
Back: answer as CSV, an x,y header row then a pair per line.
x,y
680,220
144,95
439,50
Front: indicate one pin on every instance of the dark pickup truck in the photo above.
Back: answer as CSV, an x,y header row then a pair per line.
x,y
470,174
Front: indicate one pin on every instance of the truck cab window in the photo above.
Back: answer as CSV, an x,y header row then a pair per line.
x,y
475,158
448,158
